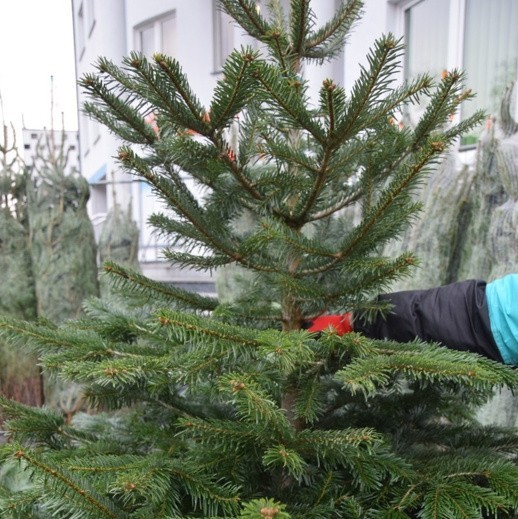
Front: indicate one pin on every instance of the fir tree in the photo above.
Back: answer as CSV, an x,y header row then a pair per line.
x,y
118,241
231,410
20,377
62,248
62,241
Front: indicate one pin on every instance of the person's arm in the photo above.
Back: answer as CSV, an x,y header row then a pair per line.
x,y
455,315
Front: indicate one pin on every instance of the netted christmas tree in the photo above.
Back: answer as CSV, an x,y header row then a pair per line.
x,y
62,247
62,240
118,242
20,377
233,410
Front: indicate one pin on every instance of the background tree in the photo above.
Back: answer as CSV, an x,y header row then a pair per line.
x,y
118,242
469,225
62,241
19,374
231,410
62,247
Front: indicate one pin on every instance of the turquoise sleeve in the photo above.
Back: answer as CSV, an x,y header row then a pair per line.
x,y
502,301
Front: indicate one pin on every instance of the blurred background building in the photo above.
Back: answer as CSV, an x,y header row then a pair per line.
x,y
38,143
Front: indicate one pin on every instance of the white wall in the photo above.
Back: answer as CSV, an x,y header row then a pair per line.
x,y
378,19
107,37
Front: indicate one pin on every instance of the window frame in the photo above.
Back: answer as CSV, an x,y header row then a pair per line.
x,y
156,24
90,16
456,41
455,44
222,34
456,20
81,32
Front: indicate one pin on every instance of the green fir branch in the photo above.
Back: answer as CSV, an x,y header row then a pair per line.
x,y
69,493
193,156
310,401
439,365
201,261
327,41
396,194
245,13
182,200
301,22
283,93
172,71
256,406
234,90
206,494
372,85
131,280
116,110
186,327
442,106
32,425
44,339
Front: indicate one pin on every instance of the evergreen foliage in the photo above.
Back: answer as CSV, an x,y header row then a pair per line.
x,y
16,297
62,242
118,242
62,247
232,410
20,377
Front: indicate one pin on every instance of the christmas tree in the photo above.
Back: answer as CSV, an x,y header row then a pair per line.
x,y
233,410
20,378
62,248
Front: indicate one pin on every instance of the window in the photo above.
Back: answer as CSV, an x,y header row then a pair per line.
x,y
490,51
478,36
157,35
426,41
98,183
223,36
90,16
167,33
426,38
81,30
147,40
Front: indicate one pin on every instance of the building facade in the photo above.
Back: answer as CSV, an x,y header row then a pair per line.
x,y
42,145
478,36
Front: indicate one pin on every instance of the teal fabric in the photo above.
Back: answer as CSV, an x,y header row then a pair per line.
x,y
502,301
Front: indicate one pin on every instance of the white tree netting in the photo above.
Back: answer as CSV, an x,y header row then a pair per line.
x,y
20,377
118,242
469,225
63,251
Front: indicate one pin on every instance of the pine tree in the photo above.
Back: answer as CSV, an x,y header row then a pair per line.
x,y
232,410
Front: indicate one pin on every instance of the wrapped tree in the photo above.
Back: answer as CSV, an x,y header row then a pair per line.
x,y
118,242
233,410
62,240
62,248
19,374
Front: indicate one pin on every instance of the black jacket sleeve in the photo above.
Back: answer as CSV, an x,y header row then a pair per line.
x,y
455,315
